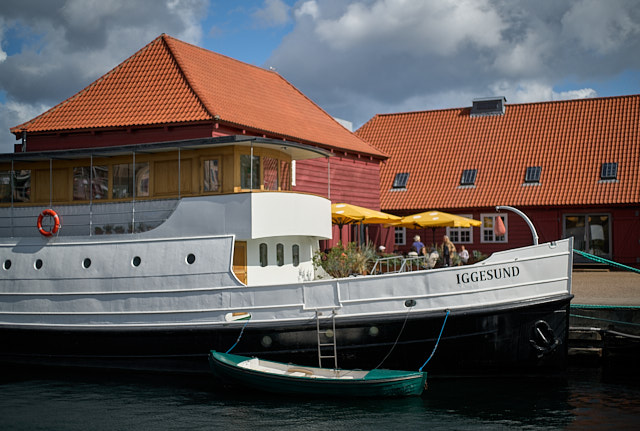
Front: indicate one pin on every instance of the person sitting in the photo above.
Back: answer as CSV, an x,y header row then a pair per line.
x,y
417,244
433,258
413,252
464,255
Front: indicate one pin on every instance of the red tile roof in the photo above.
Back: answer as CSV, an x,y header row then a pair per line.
x,y
569,139
170,81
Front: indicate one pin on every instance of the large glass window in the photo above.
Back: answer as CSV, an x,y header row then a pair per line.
x,y
249,172
21,186
123,177
211,176
591,233
488,224
285,175
90,183
270,173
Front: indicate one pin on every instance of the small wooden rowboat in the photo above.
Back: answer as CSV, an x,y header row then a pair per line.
x,y
284,378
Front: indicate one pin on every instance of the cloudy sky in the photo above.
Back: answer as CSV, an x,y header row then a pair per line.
x,y
354,58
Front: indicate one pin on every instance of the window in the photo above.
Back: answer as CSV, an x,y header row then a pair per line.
x,y
295,254
263,255
400,181
211,175
488,223
609,171
590,232
400,236
20,180
90,182
270,173
532,175
462,235
123,177
468,177
280,254
249,172
285,175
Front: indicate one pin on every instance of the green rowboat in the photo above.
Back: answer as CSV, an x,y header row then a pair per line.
x,y
278,377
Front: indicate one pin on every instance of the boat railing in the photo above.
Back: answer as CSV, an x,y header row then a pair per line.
x,y
396,264
90,219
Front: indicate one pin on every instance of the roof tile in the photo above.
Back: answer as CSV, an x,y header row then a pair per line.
x,y
170,81
568,139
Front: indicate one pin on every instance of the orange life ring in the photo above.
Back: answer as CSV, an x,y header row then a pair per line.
x,y
56,222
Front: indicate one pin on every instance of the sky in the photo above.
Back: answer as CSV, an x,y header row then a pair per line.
x,y
353,58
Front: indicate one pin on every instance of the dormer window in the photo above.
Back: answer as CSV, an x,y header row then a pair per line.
x,y
609,171
468,177
488,106
532,175
400,181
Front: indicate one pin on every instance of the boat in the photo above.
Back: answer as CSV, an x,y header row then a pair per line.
x,y
147,257
291,379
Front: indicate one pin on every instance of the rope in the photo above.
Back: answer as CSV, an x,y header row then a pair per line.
x,y
239,336
436,346
396,342
605,320
606,261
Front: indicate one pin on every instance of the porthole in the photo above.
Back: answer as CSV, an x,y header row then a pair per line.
x,y
86,263
136,261
6,264
191,258
38,264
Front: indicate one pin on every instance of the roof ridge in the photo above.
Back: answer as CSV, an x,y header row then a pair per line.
x,y
87,88
541,102
183,72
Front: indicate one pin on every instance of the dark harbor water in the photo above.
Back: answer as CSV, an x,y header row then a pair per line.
x,y
582,399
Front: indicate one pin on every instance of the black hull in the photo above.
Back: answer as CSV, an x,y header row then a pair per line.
x,y
521,338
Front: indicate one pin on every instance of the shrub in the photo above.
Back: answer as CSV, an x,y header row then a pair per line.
x,y
341,262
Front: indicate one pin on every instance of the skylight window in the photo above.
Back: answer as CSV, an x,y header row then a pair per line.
x,y
400,181
468,177
488,106
609,171
533,174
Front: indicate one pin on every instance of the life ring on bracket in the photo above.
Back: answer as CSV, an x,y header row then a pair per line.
x,y
56,222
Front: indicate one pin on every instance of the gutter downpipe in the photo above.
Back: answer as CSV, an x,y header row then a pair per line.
x,y
524,216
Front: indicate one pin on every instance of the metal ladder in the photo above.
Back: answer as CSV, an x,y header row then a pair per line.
x,y
323,336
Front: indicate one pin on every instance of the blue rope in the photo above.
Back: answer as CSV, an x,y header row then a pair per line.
x,y
239,336
436,346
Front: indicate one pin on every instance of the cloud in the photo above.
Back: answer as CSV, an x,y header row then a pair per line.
x,y
274,13
364,57
54,48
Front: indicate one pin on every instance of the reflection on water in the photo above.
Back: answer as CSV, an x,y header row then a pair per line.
x,y
49,401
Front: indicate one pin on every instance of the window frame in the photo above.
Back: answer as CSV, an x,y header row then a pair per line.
x,y
457,232
400,181
400,233
484,229
468,177
533,174
609,171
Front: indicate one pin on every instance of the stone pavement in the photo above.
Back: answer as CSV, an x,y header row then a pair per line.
x,y
604,287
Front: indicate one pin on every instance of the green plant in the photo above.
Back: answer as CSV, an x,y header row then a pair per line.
x,y
341,262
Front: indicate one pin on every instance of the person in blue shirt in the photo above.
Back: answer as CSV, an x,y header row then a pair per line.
x,y
417,244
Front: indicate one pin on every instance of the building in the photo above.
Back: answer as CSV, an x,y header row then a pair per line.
x,y
170,90
571,166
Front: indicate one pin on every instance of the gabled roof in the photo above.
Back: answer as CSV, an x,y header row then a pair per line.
x,y
172,82
569,140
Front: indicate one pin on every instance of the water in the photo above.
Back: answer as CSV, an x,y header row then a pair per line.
x,y
581,399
